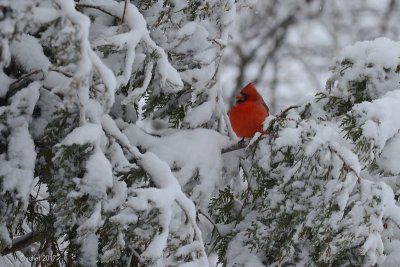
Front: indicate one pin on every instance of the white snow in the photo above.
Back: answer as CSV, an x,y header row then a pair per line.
x,y
44,14
138,32
89,250
169,192
199,115
188,151
372,51
28,52
93,222
18,169
389,159
88,133
381,117
98,177
288,137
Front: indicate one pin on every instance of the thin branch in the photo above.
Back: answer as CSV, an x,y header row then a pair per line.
x,y
81,6
205,215
123,14
16,84
387,16
237,146
246,172
66,74
393,221
196,232
284,112
359,178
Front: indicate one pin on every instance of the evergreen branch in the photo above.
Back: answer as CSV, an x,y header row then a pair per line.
x,y
15,85
110,127
247,174
137,255
22,242
285,111
196,230
237,146
332,150
21,82
249,189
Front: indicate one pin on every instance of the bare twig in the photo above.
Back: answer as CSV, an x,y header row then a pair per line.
x,y
387,16
123,14
246,172
66,74
284,112
205,215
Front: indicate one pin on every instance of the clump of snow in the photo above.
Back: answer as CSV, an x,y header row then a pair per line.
x,y
29,53
187,151
88,59
381,51
288,137
388,159
199,115
5,51
240,255
375,61
93,222
44,14
5,82
18,169
379,119
88,133
169,192
131,39
196,35
89,250
98,177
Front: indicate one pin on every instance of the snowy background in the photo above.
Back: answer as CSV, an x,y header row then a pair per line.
x,y
287,48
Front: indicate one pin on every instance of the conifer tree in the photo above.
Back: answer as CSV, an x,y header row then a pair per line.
x,y
321,187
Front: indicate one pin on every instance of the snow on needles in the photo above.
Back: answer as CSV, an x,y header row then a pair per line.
x,y
169,192
28,51
18,171
17,164
376,61
138,32
88,59
189,152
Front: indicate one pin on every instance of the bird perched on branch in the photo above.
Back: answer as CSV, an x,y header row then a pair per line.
x,y
249,112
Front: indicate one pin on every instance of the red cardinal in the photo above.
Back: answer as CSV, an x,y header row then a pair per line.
x,y
249,112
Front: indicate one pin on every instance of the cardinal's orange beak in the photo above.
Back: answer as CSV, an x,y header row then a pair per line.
x,y
240,97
